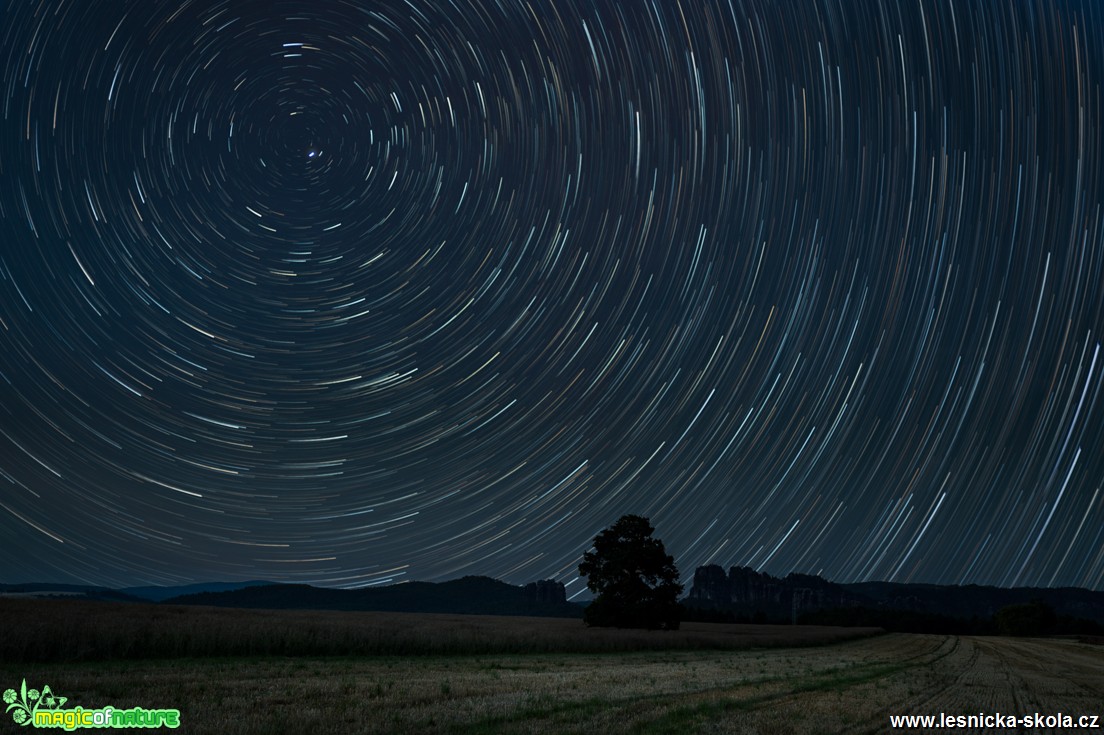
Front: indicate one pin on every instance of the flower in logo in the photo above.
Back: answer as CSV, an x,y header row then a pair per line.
x,y
24,703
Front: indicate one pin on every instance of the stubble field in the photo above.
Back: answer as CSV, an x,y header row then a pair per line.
x,y
851,686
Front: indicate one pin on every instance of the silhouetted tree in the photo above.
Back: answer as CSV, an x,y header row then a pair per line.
x,y
634,579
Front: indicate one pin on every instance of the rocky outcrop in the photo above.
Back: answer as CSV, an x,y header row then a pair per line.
x,y
746,591
546,592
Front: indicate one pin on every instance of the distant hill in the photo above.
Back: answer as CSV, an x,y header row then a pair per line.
x,y
741,592
468,595
157,594
46,590
39,590
744,591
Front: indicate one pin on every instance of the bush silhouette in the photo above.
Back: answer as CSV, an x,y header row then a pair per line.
x,y
634,579
1032,619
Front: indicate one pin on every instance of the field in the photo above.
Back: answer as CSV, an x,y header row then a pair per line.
x,y
506,675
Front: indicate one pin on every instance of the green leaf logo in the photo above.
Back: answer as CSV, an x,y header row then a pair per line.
x,y
24,703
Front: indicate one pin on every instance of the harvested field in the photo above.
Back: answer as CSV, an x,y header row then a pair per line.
x,y
850,687
64,630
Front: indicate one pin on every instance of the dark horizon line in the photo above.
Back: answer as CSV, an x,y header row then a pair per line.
x,y
393,583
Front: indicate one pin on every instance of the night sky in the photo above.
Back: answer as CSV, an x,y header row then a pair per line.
x,y
350,292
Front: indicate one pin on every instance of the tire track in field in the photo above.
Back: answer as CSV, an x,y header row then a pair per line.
x,y
670,713
1008,675
715,706
1031,667
949,648
919,703
863,684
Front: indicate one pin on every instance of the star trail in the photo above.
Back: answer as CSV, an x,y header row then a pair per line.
x,y
352,293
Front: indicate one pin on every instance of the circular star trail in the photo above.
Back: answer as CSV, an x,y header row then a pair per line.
x,y
352,293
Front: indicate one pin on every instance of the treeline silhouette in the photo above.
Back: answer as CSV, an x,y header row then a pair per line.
x,y
1029,619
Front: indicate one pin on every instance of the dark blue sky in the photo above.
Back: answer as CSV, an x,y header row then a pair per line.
x,y
356,292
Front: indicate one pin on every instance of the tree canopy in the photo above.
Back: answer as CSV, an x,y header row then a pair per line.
x,y
635,581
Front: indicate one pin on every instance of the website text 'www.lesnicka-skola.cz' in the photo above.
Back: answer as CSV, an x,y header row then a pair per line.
x,y
998,721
